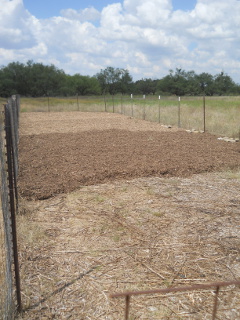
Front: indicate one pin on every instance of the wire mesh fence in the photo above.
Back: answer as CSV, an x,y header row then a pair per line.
x,y
217,115
10,299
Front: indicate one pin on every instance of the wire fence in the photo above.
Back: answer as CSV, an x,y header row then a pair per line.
x,y
151,109
217,115
10,297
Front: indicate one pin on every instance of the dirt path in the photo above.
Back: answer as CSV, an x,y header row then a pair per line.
x,y
138,229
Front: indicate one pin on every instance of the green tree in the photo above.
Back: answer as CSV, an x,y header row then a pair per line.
x,y
174,83
114,80
224,85
146,86
205,83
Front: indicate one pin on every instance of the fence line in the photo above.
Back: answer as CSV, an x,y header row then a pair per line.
x,y
217,115
215,285
10,297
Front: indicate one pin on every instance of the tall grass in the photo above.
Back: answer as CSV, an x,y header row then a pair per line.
x,y
58,104
222,114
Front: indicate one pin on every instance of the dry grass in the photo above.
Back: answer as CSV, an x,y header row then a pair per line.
x,y
222,113
78,248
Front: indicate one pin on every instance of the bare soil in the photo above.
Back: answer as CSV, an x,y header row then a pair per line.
x,y
129,205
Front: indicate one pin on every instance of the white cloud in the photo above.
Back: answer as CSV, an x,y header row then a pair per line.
x,y
145,36
88,14
14,25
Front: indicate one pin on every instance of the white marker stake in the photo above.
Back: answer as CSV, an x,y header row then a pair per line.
x,y
131,96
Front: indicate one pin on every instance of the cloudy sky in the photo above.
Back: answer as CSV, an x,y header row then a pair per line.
x,y
147,37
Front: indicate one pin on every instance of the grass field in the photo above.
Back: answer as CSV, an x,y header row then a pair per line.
x,y
222,114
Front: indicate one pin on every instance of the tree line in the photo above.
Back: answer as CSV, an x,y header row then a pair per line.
x,y
36,79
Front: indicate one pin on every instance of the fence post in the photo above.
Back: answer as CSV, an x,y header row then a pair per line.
x,y
7,309
105,103
77,102
122,103
159,110
127,307
48,104
132,104
204,114
9,147
179,112
144,107
215,303
113,103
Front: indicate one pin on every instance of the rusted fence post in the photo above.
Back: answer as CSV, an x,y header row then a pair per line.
x,y
127,307
215,303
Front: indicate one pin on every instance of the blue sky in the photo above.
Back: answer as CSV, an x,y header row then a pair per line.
x,y
146,37
45,9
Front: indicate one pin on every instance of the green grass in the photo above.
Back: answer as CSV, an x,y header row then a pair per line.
x,y
3,101
222,113
58,104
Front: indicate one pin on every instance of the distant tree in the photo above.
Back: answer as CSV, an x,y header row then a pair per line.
x,y
205,83
114,80
174,83
13,79
145,86
37,79
224,85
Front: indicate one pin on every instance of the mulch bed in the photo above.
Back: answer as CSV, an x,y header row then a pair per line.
x,y
62,162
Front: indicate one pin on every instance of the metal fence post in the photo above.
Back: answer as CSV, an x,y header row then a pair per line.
x,y
105,103
11,181
144,107
7,300
113,103
122,103
159,109
132,104
204,114
127,307
179,112
77,102
215,303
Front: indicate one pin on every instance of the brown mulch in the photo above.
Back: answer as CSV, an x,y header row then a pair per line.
x,y
56,163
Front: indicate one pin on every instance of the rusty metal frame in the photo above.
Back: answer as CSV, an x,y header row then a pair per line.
x,y
215,285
